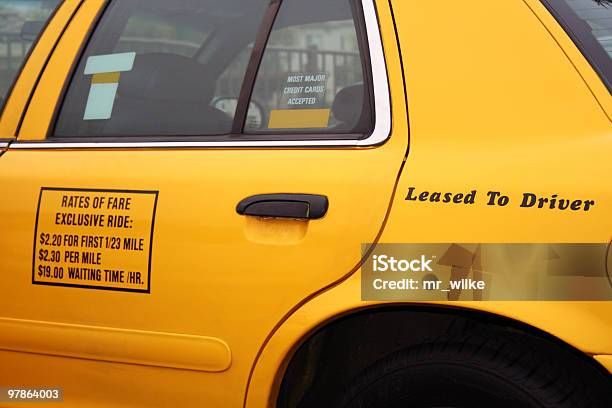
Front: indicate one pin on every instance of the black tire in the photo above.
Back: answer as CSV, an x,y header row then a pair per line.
x,y
499,370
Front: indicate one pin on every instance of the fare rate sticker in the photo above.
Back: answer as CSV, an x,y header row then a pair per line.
x,y
97,239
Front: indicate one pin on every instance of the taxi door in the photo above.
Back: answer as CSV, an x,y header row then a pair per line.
x,y
150,269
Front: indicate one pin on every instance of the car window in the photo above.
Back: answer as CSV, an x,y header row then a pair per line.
x,y
146,32
154,68
589,23
311,78
21,21
161,68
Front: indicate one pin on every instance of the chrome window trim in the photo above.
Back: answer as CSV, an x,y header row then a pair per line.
x,y
382,109
3,144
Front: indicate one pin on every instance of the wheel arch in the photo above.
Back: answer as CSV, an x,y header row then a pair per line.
x,y
558,321
351,341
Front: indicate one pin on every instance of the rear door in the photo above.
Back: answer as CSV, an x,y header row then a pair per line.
x,y
186,173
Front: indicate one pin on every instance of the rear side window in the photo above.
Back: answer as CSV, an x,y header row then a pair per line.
x,y
589,24
185,67
21,21
312,77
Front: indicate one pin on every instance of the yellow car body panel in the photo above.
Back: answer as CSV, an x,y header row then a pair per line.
x,y
13,110
493,115
537,128
605,360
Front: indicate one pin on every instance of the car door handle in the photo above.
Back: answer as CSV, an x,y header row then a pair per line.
x,y
296,206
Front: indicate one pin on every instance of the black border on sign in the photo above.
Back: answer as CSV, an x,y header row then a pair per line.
x,y
98,190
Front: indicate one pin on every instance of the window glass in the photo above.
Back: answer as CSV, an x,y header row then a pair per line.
x,y
20,24
590,23
158,67
598,15
311,79
147,32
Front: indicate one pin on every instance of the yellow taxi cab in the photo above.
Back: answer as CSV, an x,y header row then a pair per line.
x,y
306,203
